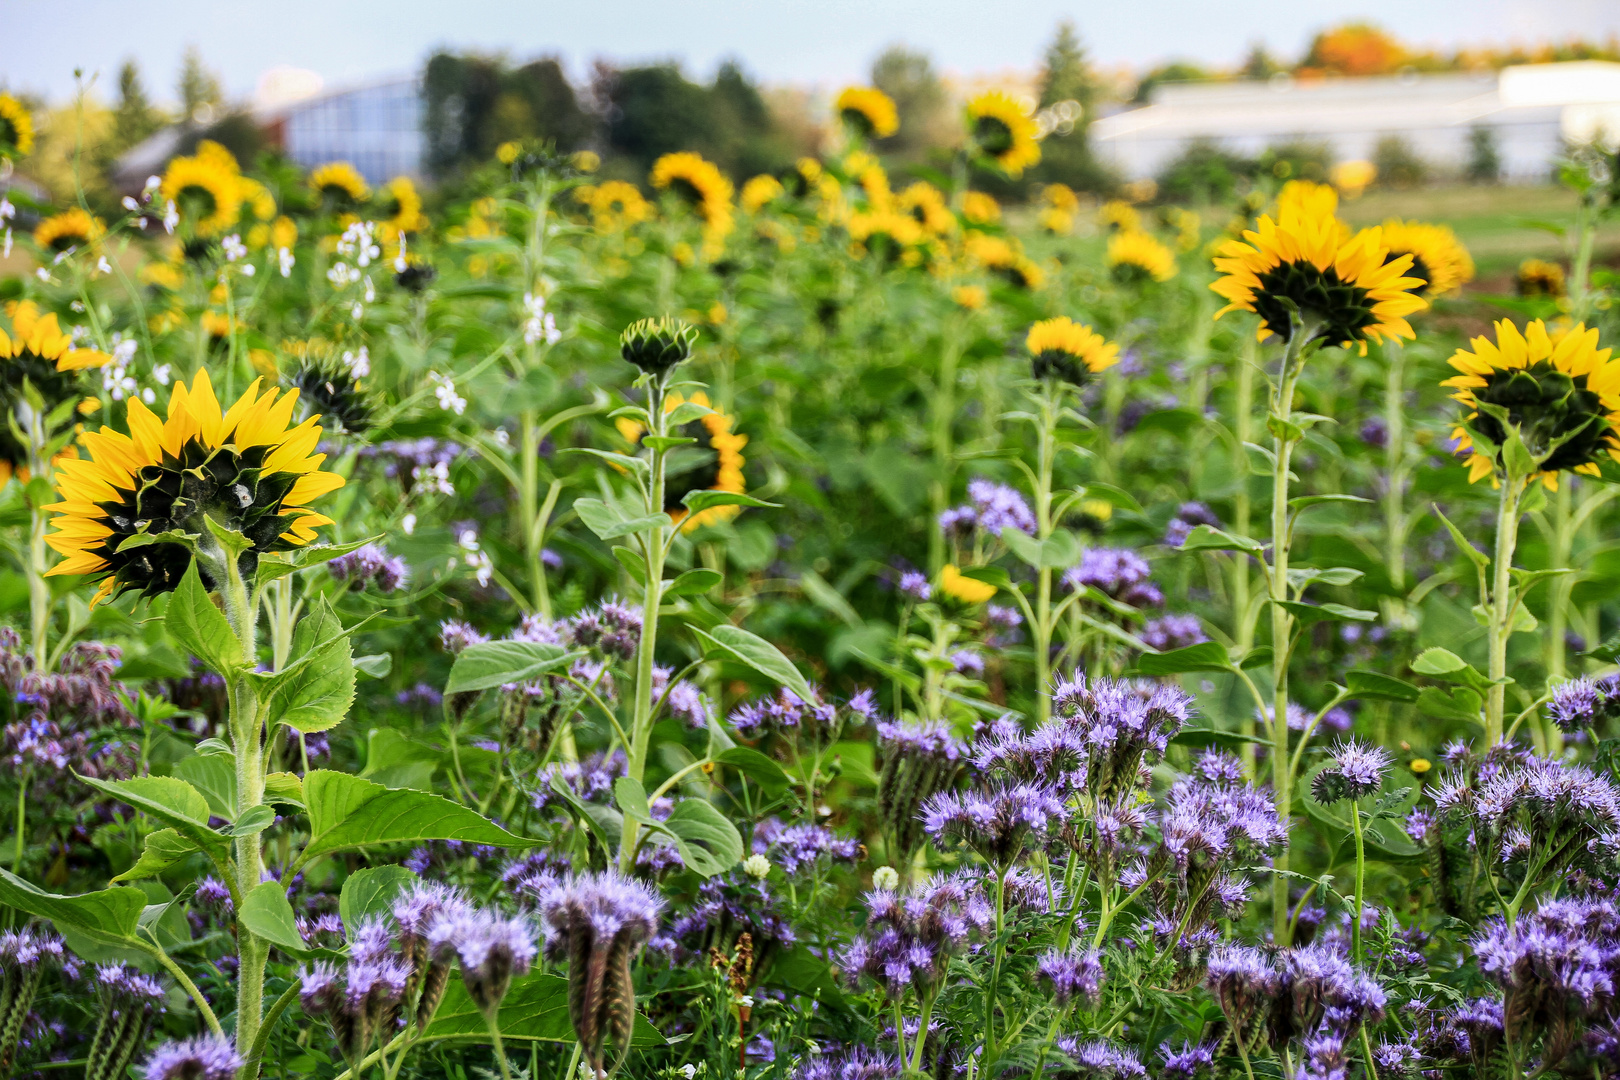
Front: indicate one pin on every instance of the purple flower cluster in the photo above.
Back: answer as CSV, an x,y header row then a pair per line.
x,y
996,823
1125,726
409,460
1173,632
850,1063
1188,1062
911,936
1100,1060
1584,704
1522,808
1310,992
728,906
61,719
1354,771
991,507
685,701
127,1001
797,847
914,585
812,723
370,565
455,636
1118,573
207,1057
613,627
1073,974
590,780
1188,516
919,759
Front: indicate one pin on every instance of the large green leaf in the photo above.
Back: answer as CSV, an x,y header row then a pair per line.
x,y
536,1009
162,850
496,663
346,812
1373,685
170,800
755,652
1205,656
266,912
707,498
107,918
215,776
281,563
199,627
709,843
757,767
605,522
315,695
371,892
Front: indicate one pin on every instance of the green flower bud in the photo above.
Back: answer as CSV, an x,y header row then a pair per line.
x,y
657,345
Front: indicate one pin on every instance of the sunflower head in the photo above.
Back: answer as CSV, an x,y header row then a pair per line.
x,y
1004,132
258,204
339,184
1539,278
981,208
1137,257
1438,257
657,345
35,351
1120,216
699,183
329,389
887,235
247,468
1064,350
713,463
970,297
16,129
958,586
1001,258
760,191
206,191
416,277
401,208
1346,287
868,112
1558,391
71,228
1307,197
926,204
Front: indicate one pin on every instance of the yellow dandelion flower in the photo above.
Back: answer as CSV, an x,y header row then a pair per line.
x,y
1119,215
926,204
760,191
868,111
699,183
1348,286
1419,766
402,209
1136,257
205,191
1004,131
1537,277
1438,257
1559,391
244,467
1063,349
70,229
958,586
339,182
981,208
16,128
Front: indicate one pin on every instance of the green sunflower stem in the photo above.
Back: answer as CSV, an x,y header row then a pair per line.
x,y
1395,476
944,412
1046,453
1282,622
1243,624
654,540
1500,627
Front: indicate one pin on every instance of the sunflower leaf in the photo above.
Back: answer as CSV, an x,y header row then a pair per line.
x,y
232,540
608,525
172,801
98,925
686,412
668,442
317,696
638,466
709,843
278,564
173,536
199,627
755,652
371,891
161,850
694,582
267,915
348,813
707,498
496,663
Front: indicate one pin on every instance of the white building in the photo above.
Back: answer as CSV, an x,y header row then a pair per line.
x,y
376,127
1530,110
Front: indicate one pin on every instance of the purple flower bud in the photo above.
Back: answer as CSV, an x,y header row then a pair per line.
x,y
1072,974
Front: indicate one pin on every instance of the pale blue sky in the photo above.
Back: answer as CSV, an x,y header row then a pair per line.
x,y
805,41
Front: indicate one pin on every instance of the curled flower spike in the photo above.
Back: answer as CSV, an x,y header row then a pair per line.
x,y
599,922
1072,975
490,949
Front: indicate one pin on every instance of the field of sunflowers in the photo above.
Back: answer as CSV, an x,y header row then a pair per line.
x,y
824,626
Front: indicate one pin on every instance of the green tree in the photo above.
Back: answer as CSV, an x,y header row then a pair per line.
x,y
200,90
1484,158
134,119
1067,76
920,98
1259,64
653,111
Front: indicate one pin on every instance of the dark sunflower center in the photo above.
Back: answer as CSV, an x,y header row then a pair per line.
x,y
66,240
335,395
993,135
691,468
1345,310
225,483
1419,269
1546,405
858,120
689,192
1060,364
1131,272
392,208
8,131
197,201
53,386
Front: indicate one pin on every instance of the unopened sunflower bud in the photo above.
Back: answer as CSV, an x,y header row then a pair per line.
x,y
657,345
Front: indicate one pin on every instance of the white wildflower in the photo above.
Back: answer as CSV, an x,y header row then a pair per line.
x,y
286,257
885,877
757,866
407,525
445,390
358,363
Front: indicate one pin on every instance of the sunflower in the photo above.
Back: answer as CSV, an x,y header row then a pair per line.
x,y
69,229
1345,283
714,463
1063,349
997,255
328,388
700,183
339,182
926,205
36,351
402,207
16,128
614,204
887,234
207,193
761,191
1537,277
981,208
970,297
1003,131
283,232
804,178
1059,205
1119,215
1136,257
1558,390
1438,257
245,468
1307,197
869,112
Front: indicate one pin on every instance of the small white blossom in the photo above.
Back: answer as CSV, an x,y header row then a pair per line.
x,y
371,291
234,248
445,390
408,525
285,256
171,218
148,395
885,877
689,1070
162,374
358,243
103,266
7,211
399,260
5,248
433,478
248,269
153,183
357,311
746,1001
129,203
358,363
757,866
540,324
502,437
43,274
342,274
